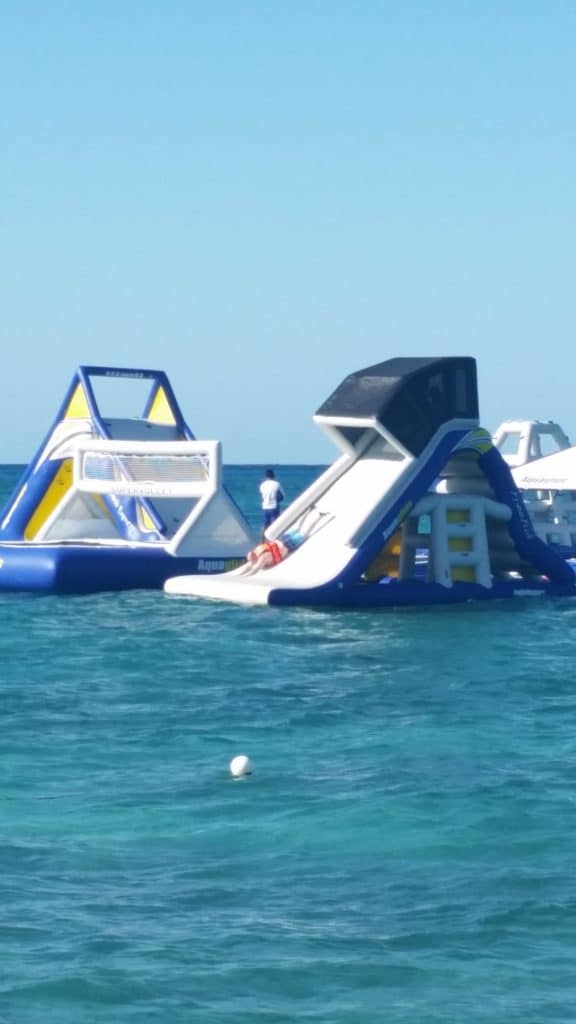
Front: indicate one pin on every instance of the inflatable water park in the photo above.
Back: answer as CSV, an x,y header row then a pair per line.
x,y
543,464
420,508
116,502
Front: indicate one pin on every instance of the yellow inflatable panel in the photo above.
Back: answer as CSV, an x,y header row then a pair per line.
x,y
78,406
56,490
160,410
146,519
387,560
464,574
458,515
460,544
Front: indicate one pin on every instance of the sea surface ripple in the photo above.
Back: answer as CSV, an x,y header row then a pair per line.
x,y
403,852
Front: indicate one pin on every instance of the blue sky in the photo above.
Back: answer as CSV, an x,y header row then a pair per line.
x,y
261,197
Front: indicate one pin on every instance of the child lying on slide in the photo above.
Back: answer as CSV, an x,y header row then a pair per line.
x,y
271,552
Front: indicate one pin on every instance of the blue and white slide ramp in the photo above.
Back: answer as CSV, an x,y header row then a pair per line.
x,y
419,509
117,502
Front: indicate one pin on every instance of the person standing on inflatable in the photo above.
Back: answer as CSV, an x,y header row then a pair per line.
x,y
272,495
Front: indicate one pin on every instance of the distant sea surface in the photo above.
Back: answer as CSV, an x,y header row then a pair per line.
x,y
404,851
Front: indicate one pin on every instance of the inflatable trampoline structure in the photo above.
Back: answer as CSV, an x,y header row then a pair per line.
x,y
115,502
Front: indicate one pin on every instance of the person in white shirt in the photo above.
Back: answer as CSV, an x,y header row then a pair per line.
x,y
272,495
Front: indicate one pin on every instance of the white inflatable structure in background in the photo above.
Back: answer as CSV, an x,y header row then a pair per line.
x,y
543,464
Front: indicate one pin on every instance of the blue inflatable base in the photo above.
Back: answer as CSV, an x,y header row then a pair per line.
x,y
82,569
391,593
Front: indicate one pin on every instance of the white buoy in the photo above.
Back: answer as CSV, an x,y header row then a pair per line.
x,y
240,765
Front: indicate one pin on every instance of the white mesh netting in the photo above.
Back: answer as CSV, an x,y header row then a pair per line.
x,y
147,473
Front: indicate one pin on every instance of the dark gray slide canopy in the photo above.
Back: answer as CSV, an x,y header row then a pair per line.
x,y
410,397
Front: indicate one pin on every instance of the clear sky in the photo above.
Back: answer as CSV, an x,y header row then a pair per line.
x,y
261,197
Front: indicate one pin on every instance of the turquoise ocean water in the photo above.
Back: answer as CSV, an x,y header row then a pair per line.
x,y
405,851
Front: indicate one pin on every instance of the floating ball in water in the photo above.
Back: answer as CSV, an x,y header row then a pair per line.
x,y
240,765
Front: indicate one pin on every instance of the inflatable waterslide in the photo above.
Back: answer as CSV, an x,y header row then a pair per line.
x,y
115,502
420,507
